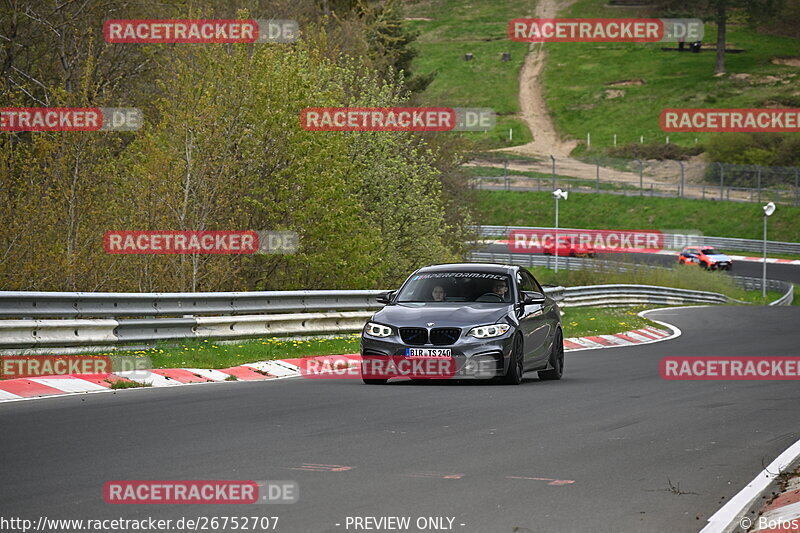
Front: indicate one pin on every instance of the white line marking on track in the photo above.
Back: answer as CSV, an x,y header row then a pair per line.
x,y
731,512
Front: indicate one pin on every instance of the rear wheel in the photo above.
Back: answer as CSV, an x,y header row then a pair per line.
x,y
556,359
514,373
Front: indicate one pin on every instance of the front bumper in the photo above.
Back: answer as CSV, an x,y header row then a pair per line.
x,y
471,358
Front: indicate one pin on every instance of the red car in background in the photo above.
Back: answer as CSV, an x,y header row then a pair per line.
x,y
706,257
567,247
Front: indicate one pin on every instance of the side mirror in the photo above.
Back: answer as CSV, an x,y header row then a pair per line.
x,y
532,297
386,298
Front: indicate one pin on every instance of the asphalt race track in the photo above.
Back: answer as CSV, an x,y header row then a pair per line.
x,y
614,447
740,268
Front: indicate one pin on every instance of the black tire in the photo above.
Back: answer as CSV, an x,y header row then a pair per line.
x,y
556,360
515,366
374,381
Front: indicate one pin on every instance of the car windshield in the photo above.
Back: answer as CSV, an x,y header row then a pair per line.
x,y
435,287
710,251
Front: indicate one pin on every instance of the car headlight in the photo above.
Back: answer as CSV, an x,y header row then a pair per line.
x,y
492,330
377,330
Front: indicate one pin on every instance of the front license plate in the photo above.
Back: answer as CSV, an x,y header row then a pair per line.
x,y
428,352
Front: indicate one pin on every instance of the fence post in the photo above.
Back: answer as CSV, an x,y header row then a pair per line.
x,y
721,180
554,172
597,176
796,190
683,174
505,173
758,173
641,177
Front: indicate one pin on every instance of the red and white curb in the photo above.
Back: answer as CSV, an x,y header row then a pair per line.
x,y
42,387
783,513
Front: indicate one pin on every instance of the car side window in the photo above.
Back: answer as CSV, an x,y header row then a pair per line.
x,y
533,282
525,281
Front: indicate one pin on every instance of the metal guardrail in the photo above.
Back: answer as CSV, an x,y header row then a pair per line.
x,y
624,294
119,304
671,240
582,263
30,331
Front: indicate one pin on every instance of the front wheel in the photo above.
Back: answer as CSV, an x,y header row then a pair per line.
x,y
514,373
556,360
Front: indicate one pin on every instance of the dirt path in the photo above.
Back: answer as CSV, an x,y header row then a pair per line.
x,y
534,112
546,140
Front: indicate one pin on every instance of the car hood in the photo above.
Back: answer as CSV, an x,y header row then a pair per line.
x,y
719,257
462,315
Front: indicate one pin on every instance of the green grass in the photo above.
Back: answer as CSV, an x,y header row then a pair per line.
x,y
605,211
679,278
586,321
462,26
210,354
128,384
577,74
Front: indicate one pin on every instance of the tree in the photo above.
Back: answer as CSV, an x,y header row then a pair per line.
x,y
719,11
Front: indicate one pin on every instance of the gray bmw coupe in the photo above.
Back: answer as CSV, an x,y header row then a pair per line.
x,y
474,320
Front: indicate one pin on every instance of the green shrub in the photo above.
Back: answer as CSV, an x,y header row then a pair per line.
x,y
659,151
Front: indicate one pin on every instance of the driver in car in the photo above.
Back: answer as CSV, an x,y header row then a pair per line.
x,y
438,293
501,289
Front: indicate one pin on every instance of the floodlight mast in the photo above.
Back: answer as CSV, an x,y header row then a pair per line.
x,y
768,210
558,194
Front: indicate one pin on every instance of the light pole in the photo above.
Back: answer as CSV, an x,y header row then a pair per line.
x,y
768,210
558,194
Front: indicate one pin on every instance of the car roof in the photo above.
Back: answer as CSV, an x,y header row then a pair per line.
x,y
470,267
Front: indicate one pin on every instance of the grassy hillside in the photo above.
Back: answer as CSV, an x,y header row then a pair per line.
x,y
578,77
602,211
451,28
578,81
